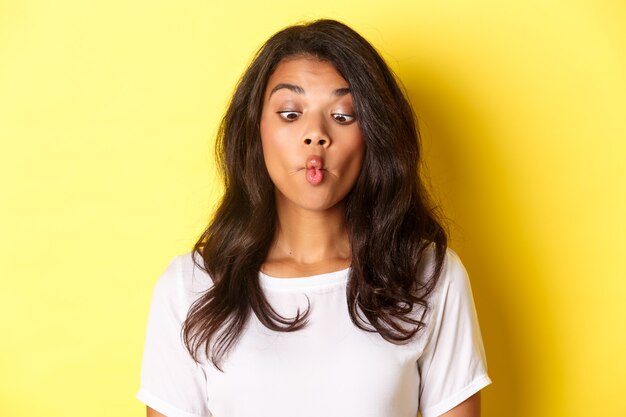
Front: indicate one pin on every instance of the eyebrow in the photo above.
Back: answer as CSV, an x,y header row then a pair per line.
x,y
291,87
340,92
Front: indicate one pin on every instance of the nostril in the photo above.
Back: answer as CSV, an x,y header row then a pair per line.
x,y
307,141
322,142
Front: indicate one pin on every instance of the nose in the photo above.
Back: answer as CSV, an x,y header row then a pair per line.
x,y
315,133
319,141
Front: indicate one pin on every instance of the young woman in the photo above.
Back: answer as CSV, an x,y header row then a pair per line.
x,y
323,286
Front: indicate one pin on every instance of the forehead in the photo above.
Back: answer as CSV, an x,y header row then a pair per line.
x,y
306,72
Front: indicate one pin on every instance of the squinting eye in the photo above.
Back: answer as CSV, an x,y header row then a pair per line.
x,y
342,118
289,115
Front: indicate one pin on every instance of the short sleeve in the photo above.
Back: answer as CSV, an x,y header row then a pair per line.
x,y
172,383
452,366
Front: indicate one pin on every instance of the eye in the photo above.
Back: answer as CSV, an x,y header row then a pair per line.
x,y
343,118
289,115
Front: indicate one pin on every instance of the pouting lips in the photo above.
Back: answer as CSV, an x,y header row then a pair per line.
x,y
314,169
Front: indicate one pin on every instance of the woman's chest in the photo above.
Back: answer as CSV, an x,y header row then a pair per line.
x,y
331,367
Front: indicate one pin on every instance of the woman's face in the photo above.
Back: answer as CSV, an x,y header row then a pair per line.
x,y
312,143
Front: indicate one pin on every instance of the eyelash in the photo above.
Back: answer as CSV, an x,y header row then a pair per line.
x,y
285,116
350,118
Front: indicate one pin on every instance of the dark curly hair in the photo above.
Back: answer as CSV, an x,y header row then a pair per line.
x,y
389,217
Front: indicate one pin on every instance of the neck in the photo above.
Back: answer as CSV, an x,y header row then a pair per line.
x,y
308,241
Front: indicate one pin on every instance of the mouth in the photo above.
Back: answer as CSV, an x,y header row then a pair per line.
x,y
314,169
314,162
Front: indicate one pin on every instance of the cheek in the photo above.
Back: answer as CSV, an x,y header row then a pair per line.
x,y
274,143
273,132
356,150
268,142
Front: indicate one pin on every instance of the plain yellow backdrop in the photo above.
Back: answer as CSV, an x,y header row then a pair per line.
x,y
107,116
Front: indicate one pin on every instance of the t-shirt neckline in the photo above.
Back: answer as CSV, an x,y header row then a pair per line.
x,y
328,279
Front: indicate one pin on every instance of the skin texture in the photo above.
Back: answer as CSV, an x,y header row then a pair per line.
x,y
468,408
151,413
308,111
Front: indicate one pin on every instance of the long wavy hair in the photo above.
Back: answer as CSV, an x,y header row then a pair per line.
x,y
389,217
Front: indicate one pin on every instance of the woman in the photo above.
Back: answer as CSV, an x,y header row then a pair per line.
x,y
324,285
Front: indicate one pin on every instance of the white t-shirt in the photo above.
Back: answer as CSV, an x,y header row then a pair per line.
x,y
331,368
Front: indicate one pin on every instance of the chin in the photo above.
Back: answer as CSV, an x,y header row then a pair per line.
x,y
317,204
311,199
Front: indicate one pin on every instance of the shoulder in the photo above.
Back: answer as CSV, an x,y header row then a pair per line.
x,y
452,271
453,280
182,282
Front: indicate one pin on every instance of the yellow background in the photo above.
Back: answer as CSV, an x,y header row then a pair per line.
x,y
107,115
